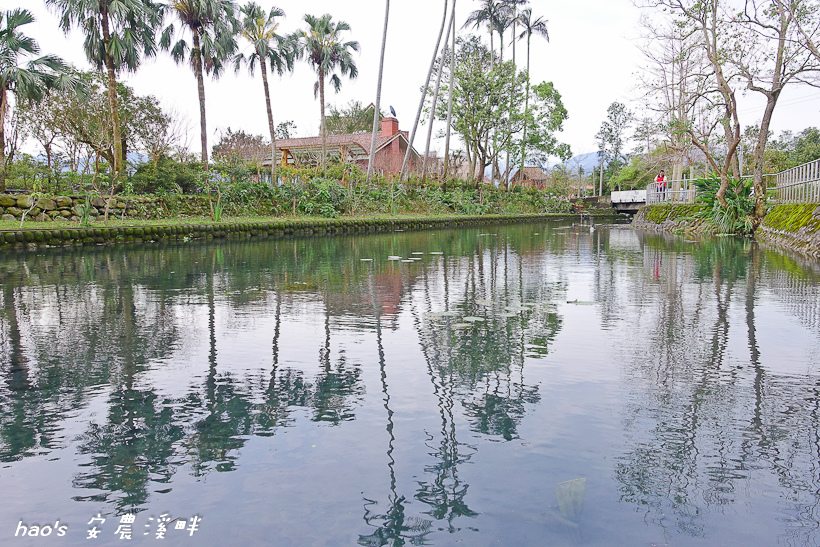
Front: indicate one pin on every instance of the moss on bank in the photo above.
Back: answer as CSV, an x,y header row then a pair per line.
x,y
794,217
795,226
671,217
27,238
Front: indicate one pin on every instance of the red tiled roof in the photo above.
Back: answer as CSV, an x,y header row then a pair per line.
x,y
361,140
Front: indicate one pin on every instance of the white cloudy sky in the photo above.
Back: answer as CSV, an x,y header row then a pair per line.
x,y
592,58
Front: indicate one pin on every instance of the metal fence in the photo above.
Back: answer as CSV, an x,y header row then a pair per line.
x,y
799,184
670,191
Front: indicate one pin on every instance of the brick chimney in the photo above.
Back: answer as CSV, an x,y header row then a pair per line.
x,y
390,126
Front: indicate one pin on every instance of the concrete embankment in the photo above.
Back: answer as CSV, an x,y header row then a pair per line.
x,y
794,226
670,218
29,238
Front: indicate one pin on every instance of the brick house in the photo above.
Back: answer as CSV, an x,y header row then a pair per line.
x,y
391,146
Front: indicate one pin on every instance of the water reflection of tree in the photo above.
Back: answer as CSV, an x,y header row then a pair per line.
x,y
80,322
131,449
704,420
393,527
481,366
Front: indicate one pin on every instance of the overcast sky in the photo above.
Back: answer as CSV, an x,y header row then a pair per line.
x,y
592,58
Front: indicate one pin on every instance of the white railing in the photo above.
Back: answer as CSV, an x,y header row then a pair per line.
x,y
799,184
670,191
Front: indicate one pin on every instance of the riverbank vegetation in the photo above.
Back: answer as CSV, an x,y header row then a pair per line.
x,y
700,57
94,135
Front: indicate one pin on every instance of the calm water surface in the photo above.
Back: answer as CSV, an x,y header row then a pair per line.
x,y
516,385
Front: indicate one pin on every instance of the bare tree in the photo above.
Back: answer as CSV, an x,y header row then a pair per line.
x,y
769,57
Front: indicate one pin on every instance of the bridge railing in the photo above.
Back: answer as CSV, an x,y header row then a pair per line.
x,y
670,191
799,184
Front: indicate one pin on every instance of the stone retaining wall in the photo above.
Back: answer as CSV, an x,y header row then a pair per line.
x,y
44,209
32,238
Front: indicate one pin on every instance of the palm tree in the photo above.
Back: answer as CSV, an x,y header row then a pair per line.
x,y
117,34
539,28
29,82
212,25
512,9
376,109
326,52
490,14
259,28
409,150
435,93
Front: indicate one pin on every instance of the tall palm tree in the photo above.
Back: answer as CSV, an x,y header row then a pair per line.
x,y
377,110
259,28
409,150
326,53
28,82
212,25
450,103
490,14
118,33
539,28
512,9
435,94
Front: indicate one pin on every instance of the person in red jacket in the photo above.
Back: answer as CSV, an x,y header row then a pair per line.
x,y
660,184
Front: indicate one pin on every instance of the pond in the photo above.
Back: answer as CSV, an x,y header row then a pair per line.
x,y
541,383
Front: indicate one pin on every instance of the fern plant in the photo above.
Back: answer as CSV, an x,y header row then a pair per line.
x,y
738,215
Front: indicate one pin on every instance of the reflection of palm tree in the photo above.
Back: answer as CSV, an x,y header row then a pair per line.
x,y
334,385
392,527
133,448
446,492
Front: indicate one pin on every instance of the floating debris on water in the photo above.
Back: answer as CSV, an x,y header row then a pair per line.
x,y
571,496
473,319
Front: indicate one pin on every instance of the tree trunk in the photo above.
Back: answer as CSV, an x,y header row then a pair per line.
x,y
450,105
377,109
200,83
403,171
271,127
435,96
323,129
112,96
3,108
526,112
760,150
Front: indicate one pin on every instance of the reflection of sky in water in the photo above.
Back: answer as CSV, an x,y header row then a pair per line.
x,y
288,390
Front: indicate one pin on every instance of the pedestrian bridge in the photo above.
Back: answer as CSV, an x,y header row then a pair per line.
x,y
628,201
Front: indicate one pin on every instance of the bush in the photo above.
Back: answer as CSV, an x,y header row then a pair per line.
x,y
738,216
168,176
